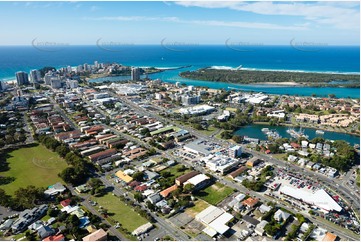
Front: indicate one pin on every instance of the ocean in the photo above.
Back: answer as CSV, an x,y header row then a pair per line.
x,y
332,59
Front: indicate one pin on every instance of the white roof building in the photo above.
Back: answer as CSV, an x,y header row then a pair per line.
x,y
320,198
215,219
281,215
197,179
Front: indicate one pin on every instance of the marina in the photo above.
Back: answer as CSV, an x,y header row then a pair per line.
x,y
255,131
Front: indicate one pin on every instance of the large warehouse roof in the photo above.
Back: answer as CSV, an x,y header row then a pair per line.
x,y
319,199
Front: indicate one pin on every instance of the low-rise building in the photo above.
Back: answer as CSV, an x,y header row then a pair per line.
x,y
99,235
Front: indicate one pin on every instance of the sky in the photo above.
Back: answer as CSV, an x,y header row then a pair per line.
x,y
186,22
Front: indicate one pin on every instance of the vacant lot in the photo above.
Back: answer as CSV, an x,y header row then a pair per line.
x,y
36,166
120,212
198,207
177,170
215,194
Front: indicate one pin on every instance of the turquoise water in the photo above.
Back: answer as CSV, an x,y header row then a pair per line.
x,y
255,131
331,59
172,76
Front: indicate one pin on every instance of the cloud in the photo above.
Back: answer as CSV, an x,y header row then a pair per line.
x,y
344,15
236,24
94,8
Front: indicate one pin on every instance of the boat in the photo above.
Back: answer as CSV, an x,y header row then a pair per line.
x,y
273,134
296,134
265,130
320,131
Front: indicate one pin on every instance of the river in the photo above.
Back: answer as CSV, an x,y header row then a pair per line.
x,y
172,76
255,131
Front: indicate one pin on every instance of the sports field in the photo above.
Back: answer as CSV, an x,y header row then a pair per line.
x,y
36,166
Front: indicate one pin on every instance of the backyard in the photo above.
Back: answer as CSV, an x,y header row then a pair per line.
x,y
35,166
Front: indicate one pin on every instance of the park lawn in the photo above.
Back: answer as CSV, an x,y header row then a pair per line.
x,y
215,193
35,166
209,131
120,212
198,207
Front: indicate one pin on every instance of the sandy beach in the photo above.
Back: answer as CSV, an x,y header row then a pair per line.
x,y
280,83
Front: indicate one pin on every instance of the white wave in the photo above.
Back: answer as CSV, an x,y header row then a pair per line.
x,y
222,67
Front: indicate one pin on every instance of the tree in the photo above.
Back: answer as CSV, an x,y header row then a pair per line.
x,y
226,135
62,150
166,174
138,197
138,176
5,199
188,188
28,197
53,212
237,138
150,206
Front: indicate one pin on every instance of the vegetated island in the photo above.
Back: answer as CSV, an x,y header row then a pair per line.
x,y
274,77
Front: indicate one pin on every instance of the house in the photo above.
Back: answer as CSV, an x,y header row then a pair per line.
x,y
82,188
7,224
124,177
250,202
91,228
141,188
28,216
65,203
260,227
292,158
264,208
45,231
182,179
329,237
150,175
310,165
36,225
154,198
99,235
58,237
165,193
249,220
54,189
281,215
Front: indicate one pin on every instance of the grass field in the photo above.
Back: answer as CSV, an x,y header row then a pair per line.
x,y
215,194
36,166
209,131
175,172
120,212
